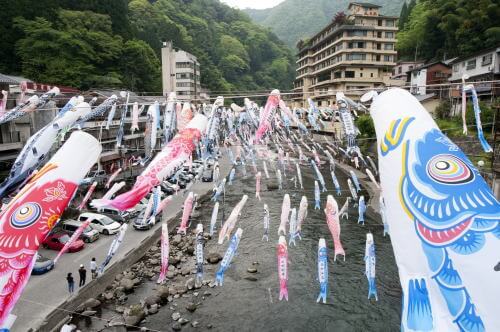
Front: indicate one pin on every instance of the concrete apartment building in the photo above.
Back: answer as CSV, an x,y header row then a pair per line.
x,y
180,73
354,55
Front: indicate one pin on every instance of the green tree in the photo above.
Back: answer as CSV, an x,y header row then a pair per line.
x,y
140,67
403,17
365,126
79,51
447,28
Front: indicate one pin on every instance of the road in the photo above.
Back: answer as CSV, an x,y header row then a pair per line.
x,y
45,293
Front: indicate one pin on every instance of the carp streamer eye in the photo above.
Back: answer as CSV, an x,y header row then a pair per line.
x,y
26,215
449,169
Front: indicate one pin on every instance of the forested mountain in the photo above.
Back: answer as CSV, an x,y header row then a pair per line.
x,y
293,20
116,43
439,29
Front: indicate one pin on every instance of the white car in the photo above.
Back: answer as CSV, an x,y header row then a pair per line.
x,y
101,223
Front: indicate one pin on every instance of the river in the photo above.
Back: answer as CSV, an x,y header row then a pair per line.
x,y
249,301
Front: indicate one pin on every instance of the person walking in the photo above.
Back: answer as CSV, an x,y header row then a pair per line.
x,y
83,275
71,283
93,268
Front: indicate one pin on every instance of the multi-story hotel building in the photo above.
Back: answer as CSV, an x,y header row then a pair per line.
x,y
180,73
353,55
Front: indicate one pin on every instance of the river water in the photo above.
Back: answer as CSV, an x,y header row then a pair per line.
x,y
253,305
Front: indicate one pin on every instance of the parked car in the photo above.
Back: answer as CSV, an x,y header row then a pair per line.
x,y
99,176
139,223
88,235
101,223
116,215
208,175
42,265
56,241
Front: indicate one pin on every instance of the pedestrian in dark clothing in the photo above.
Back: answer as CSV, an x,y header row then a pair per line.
x,y
71,283
83,275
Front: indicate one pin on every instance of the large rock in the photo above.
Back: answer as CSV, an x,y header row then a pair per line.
x,y
153,310
272,185
174,260
176,240
191,307
134,315
91,303
214,258
152,299
190,284
163,293
176,316
127,284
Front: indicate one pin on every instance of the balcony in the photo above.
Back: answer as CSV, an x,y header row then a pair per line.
x,y
11,141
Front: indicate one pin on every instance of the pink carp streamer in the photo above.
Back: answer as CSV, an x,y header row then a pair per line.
x,y
72,239
112,177
87,196
333,222
258,176
283,268
165,251
184,116
172,156
228,226
35,210
267,115
186,213
163,204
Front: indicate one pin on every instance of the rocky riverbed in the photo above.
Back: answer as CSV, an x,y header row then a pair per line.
x,y
248,300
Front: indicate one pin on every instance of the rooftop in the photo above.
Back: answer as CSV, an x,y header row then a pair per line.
x,y
487,50
9,79
364,5
430,64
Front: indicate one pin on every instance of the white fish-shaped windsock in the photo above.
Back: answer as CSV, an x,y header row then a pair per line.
x,y
285,211
438,205
301,216
322,270
213,219
38,146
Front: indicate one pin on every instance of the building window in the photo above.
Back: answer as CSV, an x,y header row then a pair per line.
x,y
349,74
388,58
356,45
455,68
400,70
487,60
356,56
388,46
471,64
357,33
379,23
389,23
371,74
389,35
379,34
360,74
337,74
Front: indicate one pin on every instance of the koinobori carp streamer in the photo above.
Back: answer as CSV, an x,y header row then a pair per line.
x,y
36,209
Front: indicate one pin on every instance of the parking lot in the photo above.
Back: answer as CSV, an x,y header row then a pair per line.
x,y
35,303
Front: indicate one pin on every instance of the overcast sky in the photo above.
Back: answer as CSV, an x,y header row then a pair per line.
x,y
252,3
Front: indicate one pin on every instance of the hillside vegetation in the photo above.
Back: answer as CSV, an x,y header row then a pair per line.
x,y
116,43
